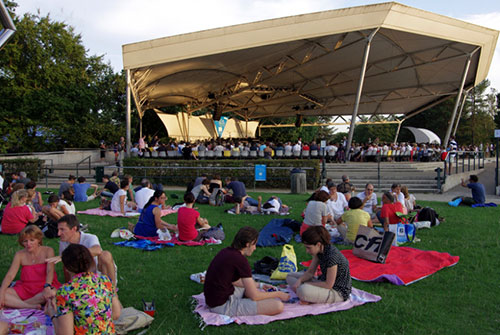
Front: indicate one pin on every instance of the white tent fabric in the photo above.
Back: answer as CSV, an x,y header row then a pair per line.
x,y
310,64
423,135
183,126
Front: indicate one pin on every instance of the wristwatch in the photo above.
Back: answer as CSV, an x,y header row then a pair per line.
x,y
48,285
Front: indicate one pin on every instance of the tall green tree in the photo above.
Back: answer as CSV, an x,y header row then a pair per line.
x,y
52,94
307,134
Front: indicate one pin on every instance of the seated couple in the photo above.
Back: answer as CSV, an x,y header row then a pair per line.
x,y
188,219
230,289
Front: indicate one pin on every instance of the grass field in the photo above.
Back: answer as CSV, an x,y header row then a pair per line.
x,y
463,299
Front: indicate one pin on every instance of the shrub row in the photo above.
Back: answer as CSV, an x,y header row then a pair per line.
x,y
32,166
181,172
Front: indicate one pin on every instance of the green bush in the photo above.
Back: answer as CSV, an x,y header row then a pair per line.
x,y
32,166
181,172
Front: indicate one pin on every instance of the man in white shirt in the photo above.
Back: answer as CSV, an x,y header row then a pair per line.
x,y
297,147
369,199
68,229
144,194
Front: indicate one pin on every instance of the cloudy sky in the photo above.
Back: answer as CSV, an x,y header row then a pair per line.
x,y
106,25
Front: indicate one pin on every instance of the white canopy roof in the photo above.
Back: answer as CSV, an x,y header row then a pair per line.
x,y
310,64
423,135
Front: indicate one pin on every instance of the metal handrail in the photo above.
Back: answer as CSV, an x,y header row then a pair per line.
x,y
461,159
89,158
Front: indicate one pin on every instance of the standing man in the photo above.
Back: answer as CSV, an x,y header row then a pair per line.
x,y
68,230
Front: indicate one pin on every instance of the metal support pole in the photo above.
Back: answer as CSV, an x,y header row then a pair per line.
x,y
7,24
127,116
397,131
140,127
459,96
460,113
358,93
496,169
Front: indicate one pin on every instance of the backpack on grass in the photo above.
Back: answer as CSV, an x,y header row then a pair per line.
x,y
216,197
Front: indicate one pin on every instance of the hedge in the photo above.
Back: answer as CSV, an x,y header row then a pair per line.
x,y
32,166
177,175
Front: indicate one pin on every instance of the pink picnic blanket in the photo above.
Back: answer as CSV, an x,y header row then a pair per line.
x,y
291,310
176,241
103,212
404,265
31,319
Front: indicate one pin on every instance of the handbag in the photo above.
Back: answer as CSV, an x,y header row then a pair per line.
x,y
405,233
266,265
131,319
372,245
287,264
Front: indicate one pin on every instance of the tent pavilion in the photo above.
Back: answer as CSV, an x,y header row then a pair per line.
x,y
370,60
423,135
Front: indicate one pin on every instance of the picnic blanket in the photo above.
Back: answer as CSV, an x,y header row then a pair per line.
x,y
489,204
36,323
103,212
291,310
404,265
153,243
277,232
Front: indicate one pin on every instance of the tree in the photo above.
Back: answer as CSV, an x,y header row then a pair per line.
x,y
52,95
308,134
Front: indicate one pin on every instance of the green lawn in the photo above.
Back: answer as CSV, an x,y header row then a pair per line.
x,y
463,299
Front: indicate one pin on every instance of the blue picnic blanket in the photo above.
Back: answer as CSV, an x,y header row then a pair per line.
x,y
277,232
143,245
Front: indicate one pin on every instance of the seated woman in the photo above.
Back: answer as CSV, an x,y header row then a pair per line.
x,y
201,193
119,202
66,204
150,220
36,201
316,213
410,200
215,182
189,220
37,276
51,210
87,304
334,283
16,214
336,204
354,218
229,287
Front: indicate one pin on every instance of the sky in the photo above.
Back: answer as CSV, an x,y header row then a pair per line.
x,y
106,25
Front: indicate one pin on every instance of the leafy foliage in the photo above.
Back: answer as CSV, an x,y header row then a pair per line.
x,y
52,94
307,134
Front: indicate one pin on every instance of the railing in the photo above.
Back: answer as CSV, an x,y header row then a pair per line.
x,y
89,158
463,161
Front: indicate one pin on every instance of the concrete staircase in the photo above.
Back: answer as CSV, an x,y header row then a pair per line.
x,y
59,173
419,177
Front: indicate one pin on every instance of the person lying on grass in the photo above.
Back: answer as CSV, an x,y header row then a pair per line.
x,y
334,283
272,206
229,287
189,221
150,220
37,277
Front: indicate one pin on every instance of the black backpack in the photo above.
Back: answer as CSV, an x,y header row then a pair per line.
x,y
266,265
427,214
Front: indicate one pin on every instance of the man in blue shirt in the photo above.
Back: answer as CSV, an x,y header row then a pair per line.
x,y
81,190
239,191
478,192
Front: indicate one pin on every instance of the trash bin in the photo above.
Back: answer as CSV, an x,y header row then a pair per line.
x,y
298,181
99,173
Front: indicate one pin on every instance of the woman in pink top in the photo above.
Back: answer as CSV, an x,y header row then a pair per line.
x,y
17,215
188,220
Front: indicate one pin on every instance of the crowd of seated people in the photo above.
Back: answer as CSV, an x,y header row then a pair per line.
x,y
333,151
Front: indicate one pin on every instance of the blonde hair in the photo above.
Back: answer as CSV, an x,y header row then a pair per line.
x,y
404,190
30,231
16,197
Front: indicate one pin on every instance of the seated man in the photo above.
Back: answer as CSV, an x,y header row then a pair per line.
x,y
144,194
229,287
477,189
239,191
67,185
110,187
69,232
81,190
189,220
369,199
